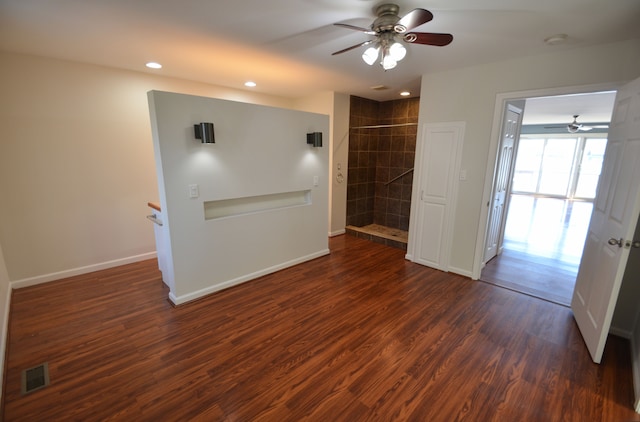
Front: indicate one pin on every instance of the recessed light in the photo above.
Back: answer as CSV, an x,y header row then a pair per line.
x,y
405,93
154,65
250,84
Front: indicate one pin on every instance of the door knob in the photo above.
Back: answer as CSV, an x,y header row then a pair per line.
x,y
614,242
635,244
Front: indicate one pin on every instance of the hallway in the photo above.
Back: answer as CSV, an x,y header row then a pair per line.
x,y
543,244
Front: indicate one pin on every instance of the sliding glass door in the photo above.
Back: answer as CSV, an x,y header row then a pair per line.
x,y
559,166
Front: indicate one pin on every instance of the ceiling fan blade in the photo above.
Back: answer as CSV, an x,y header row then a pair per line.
x,y
352,47
413,19
600,127
428,38
355,28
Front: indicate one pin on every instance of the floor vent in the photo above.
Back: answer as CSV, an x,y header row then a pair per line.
x,y
35,378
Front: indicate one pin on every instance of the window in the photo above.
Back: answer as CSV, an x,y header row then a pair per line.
x,y
590,167
559,166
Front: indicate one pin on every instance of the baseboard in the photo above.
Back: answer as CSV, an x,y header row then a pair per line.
x,y
621,333
180,300
635,361
635,368
337,233
4,338
455,270
462,272
45,278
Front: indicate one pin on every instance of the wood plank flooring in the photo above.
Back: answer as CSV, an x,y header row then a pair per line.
x,y
545,278
543,243
358,335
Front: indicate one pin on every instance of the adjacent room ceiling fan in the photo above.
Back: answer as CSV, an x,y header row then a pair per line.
x,y
388,28
575,127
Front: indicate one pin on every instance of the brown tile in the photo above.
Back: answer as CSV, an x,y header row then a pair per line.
x,y
384,143
406,192
395,193
410,144
397,160
392,220
382,174
405,208
353,159
382,190
413,108
384,159
409,160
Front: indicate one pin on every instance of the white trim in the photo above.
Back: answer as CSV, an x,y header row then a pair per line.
x,y
337,233
635,370
415,241
5,335
45,278
460,271
635,361
621,333
500,104
179,300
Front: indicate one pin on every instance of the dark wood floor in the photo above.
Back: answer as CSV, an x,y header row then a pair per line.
x,y
360,334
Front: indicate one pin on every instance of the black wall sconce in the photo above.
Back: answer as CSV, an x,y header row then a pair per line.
x,y
314,139
204,132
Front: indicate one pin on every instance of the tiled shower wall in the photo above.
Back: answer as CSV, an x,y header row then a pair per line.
x,y
376,156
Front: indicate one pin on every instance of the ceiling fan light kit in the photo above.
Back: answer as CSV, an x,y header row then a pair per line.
x,y
575,127
556,39
387,49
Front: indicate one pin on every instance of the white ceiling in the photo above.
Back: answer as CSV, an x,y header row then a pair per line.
x,y
285,45
590,108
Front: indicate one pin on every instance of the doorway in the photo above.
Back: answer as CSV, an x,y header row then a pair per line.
x,y
550,195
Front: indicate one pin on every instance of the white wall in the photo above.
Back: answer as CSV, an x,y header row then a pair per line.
x,y
469,95
77,164
339,122
339,163
258,151
77,167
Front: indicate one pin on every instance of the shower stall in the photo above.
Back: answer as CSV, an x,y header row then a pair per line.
x,y
382,143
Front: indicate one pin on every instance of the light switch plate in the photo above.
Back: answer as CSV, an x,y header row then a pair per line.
x,y
194,192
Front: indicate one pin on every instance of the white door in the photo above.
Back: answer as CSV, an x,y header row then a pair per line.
x,y
495,229
615,214
439,167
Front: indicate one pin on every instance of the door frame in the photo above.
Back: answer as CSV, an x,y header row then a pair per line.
x,y
510,105
416,223
499,109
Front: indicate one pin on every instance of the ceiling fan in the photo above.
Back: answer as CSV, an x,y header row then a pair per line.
x,y
388,28
575,127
